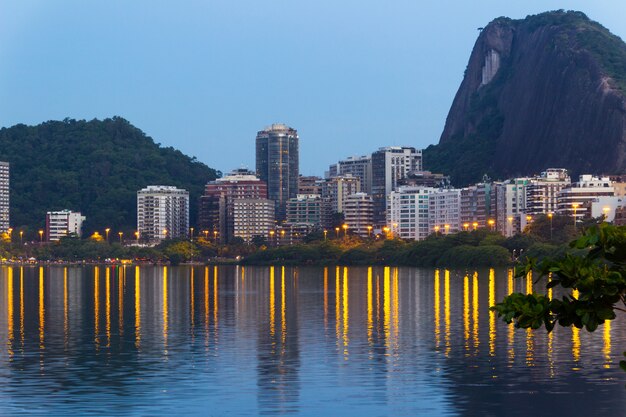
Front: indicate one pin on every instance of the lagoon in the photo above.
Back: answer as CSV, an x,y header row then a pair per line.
x,y
231,340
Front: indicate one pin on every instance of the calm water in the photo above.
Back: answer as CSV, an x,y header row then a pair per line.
x,y
306,341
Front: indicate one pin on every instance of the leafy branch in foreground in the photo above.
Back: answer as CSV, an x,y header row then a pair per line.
x,y
593,278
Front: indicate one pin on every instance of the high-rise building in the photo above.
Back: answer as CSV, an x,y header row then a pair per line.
x,y
444,211
478,204
357,166
310,185
63,223
216,213
4,197
335,190
408,213
359,213
252,217
542,191
162,213
305,209
277,164
571,200
389,166
511,203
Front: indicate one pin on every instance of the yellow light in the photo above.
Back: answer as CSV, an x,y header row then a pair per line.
x,y
475,225
491,222
550,215
510,219
465,226
436,228
528,218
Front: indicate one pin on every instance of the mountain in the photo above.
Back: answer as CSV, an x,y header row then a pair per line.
x,y
95,167
545,91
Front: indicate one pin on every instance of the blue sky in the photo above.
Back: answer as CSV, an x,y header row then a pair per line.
x,y
205,76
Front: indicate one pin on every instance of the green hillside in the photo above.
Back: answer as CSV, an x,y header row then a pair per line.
x,y
95,167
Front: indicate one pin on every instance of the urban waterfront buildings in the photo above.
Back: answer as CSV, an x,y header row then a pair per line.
x,y
357,166
444,211
310,185
408,212
389,166
277,164
359,214
571,200
305,209
252,217
216,213
4,197
162,213
63,223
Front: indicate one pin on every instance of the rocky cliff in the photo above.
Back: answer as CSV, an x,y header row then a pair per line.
x,y
545,91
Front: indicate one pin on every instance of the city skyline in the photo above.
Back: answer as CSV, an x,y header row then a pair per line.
x,y
191,76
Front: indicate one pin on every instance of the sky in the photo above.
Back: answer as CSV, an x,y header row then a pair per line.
x,y
205,76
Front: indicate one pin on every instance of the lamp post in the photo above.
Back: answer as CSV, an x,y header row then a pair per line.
x,y
510,219
106,232
386,230
345,230
10,230
475,225
120,233
446,227
164,234
465,226
575,206
206,234
41,236
337,232
492,224
272,236
605,212
215,236
282,235
137,236
21,237
550,217
191,233
437,230
369,231
325,233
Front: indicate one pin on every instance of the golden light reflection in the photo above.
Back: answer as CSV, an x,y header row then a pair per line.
x,y
575,337
165,308
120,299
22,308
475,310
337,306
550,289
492,314
607,344
511,329
10,310
215,301
137,308
96,305
446,310
42,310
386,305
529,282
346,312
466,312
107,283
530,347
283,317
551,353
206,306
370,308
437,309
192,297
396,307
272,302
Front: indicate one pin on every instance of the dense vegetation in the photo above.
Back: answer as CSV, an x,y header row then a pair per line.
x,y
95,167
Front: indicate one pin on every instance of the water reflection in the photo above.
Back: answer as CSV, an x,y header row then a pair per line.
x,y
270,341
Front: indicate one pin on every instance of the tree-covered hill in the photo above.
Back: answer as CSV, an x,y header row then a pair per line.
x,y
95,167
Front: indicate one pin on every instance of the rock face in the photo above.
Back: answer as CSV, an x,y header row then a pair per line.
x,y
545,91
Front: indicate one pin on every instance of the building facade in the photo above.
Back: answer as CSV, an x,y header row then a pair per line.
x,y
571,200
216,212
359,214
389,166
444,211
63,223
542,191
305,209
253,217
310,185
277,164
162,213
408,213
357,166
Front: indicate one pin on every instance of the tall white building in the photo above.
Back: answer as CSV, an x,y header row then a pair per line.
x,y
571,201
357,166
408,212
63,223
511,205
4,197
389,166
444,211
162,213
542,191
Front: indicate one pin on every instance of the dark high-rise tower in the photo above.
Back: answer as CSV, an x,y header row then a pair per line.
x,y
277,164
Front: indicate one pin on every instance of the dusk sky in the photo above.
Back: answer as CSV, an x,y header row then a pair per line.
x,y
205,76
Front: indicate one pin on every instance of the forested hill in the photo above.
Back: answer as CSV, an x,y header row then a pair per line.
x,y
95,167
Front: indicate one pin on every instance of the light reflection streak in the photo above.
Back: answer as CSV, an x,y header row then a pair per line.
x,y
215,303
96,305
137,308
346,313
530,336
607,344
192,299
446,309
22,309
283,317
575,337
386,305
466,312
165,309
66,327
337,307
206,306
492,314
108,305
272,302
370,321
10,310
475,311
396,307
511,327
42,310
325,297
120,299
437,309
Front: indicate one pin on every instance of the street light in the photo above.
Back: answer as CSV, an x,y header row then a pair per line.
x,y
191,233
446,227
465,226
137,236
345,230
325,233
369,231
272,236
41,236
605,211
215,236
386,230
10,230
491,223
206,234
575,206
21,236
106,232
164,233
337,232
120,233
475,225
436,230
